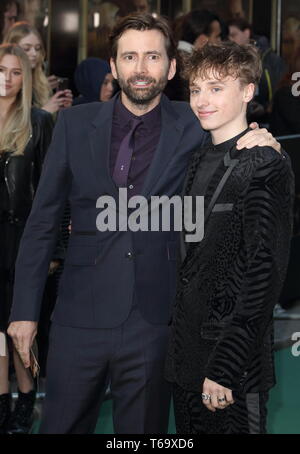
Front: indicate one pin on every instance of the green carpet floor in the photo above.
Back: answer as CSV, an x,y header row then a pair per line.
x,y
283,406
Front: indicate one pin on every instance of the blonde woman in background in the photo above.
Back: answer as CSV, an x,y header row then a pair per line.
x,y
25,134
28,37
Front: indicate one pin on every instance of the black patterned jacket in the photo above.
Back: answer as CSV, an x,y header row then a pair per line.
x,y
222,325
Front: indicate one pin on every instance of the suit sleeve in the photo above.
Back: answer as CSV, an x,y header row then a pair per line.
x,y
267,219
39,237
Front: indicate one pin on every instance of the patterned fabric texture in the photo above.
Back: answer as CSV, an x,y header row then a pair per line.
x,y
246,416
222,325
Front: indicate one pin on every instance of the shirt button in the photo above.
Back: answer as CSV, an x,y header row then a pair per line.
x,y
129,255
131,186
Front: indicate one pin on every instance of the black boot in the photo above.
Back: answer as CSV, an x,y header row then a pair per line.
x,y
22,417
5,406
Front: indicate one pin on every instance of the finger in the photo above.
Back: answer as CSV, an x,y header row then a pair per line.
x,y
210,407
207,402
214,400
25,358
222,401
253,125
229,397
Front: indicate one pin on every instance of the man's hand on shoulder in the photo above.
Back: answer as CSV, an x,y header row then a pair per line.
x,y
23,334
258,137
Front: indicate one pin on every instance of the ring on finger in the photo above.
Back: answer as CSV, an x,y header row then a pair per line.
x,y
205,396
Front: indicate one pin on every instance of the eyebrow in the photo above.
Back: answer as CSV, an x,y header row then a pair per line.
x,y
145,53
211,82
5,67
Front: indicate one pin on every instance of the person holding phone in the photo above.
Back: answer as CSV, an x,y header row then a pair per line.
x,y
25,133
28,37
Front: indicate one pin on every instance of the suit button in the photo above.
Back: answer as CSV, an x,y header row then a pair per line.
x,y
184,280
129,255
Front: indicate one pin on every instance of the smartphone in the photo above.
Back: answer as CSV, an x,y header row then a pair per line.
x,y
63,83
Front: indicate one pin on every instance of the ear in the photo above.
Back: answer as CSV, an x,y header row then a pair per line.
x,y
172,69
249,91
201,41
113,68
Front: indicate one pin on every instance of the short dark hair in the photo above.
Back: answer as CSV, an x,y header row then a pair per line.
x,y
142,22
225,59
197,22
240,23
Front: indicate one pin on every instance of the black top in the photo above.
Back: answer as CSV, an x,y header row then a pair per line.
x,y
4,200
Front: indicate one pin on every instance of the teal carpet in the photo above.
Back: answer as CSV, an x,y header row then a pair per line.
x,y
283,406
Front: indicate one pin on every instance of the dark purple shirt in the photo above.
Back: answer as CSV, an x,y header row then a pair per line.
x,y
145,143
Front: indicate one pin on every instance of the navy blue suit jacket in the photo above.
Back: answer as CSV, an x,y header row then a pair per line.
x,y
104,271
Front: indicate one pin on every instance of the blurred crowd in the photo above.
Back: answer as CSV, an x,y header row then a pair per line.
x,y
30,100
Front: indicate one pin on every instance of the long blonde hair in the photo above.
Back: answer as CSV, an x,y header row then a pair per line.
x,y
40,85
17,128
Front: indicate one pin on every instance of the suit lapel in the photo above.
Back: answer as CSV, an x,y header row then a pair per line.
x,y
100,144
171,132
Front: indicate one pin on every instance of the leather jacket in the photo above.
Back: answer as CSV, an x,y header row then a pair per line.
x,y
22,172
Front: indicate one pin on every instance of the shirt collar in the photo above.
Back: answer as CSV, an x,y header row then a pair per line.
x,y
123,116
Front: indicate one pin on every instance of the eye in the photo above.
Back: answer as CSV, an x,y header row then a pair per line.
x,y
216,89
38,48
153,57
194,92
128,57
17,73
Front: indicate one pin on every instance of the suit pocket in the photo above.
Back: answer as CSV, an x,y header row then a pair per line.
x,y
222,207
81,255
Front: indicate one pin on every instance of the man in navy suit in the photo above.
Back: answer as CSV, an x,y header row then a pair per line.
x,y
111,319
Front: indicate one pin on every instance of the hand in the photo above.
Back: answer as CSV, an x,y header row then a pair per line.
x,y
216,392
23,334
53,266
68,98
258,137
61,99
53,82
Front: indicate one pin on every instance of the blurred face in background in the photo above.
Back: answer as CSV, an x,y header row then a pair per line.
x,y
141,6
33,48
214,36
107,88
10,17
239,36
11,77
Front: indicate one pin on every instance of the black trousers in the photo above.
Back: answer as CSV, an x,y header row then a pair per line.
x,y
81,363
246,416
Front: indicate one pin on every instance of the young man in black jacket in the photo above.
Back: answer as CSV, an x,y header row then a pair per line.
x,y
220,356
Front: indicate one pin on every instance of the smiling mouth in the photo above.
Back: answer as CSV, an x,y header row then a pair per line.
x,y
205,114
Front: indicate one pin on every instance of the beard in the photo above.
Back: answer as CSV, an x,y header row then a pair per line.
x,y
142,96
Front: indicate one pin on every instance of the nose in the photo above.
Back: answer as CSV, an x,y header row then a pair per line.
x,y
202,99
7,76
140,67
32,52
